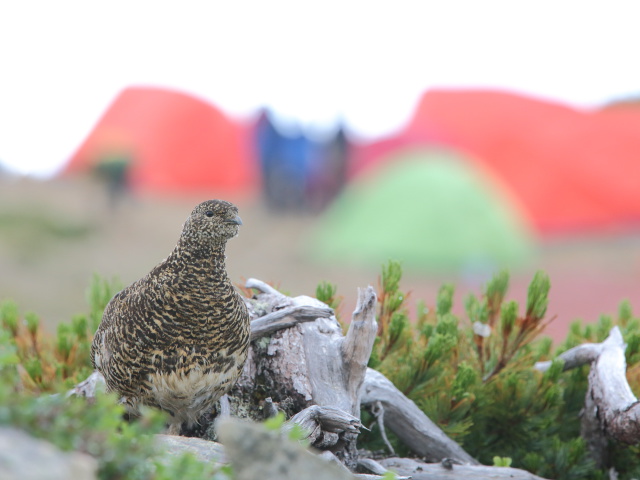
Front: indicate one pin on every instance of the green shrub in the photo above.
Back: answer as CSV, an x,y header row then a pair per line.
x,y
474,375
52,363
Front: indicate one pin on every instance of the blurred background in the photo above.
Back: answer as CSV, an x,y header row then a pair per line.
x,y
458,137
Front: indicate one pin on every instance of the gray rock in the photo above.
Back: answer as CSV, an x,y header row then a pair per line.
x,y
203,450
23,457
258,454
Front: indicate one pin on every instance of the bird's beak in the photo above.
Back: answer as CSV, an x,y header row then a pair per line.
x,y
235,220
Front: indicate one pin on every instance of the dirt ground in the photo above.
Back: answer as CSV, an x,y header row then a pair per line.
x,y
54,235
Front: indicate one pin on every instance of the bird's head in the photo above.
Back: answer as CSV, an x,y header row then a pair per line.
x,y
213,220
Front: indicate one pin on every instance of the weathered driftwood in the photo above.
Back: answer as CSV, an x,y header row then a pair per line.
x,y
448,470
591,429
592,433
409,423
311,365
574,357
609,397
377,471
325,424
285,318
611,409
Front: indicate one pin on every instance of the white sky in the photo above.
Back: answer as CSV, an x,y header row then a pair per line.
x,y
62,62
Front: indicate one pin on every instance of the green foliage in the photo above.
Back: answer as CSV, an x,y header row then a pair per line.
x,y
537,295
123,450
445,300
326,292
8,357
294,432
474,375
276,422
625,313
501,462
495,293
393,317
51,363
566,459
391,275
298,434
9,317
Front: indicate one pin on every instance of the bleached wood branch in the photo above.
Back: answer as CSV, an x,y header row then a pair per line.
x,y
615,404
592,433
358,343
574,357
263,287
324,424
409,423
337,364
286,318
611,409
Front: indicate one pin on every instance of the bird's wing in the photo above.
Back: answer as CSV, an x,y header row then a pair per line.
x,y
120,347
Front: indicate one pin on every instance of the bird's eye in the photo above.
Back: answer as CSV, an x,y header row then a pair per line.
x,y
209,213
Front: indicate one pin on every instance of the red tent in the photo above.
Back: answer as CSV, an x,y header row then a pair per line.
x,y
173,142
571,169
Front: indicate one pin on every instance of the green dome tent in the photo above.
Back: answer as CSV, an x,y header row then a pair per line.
x,y
430,209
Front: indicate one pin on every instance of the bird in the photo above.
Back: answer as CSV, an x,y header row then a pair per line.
x,y
177,339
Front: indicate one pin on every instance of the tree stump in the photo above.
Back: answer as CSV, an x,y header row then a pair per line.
x,y
310,370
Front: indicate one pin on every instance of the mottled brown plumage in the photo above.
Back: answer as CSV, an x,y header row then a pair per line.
x,y
177,339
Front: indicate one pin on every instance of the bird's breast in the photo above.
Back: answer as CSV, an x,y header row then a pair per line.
x,y
193,386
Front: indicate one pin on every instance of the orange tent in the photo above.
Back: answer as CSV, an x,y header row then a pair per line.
x,y
570,169
173,142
